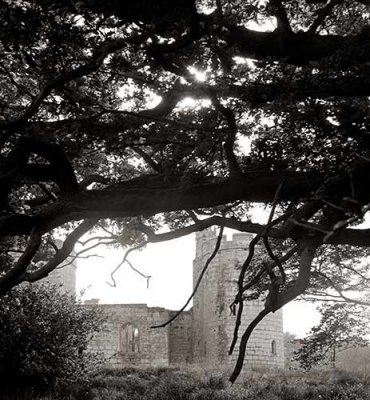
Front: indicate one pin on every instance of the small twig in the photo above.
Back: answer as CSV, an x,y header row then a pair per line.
x,y
357,273
239,296
343,296
342,224
78,255
147,277
139,246
79,258
332,205
84,243
106,230
310,226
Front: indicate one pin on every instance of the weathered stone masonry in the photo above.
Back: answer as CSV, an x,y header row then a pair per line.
x,y
201,336
128,338
213,322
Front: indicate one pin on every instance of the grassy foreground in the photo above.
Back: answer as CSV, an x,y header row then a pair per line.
x,y
171,384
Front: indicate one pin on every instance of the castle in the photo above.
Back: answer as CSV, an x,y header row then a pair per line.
x,y
201,336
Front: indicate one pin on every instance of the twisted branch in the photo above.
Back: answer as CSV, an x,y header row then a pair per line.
x,y
199,280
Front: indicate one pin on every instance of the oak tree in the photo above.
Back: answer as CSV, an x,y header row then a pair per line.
x,y
138,115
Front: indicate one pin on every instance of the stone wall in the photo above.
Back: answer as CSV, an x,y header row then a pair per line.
x,y
128,339
180,339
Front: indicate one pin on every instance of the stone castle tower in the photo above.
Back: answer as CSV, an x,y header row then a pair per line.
x,y
213,322
200,336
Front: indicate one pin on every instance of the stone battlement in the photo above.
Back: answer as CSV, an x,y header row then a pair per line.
x,y
206,242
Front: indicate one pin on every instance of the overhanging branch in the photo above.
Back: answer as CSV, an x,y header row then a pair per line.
x,y
199,280
60,256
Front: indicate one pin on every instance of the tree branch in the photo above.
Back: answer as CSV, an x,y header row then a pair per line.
x,y
92,65
239,297
298,48
9,279
130,250
61,255
199,280
243,344
275,301
229,143
322,14
283,24
300,285
94,178
149,160
340,292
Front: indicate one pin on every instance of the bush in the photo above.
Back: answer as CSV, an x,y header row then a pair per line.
x,y
43,338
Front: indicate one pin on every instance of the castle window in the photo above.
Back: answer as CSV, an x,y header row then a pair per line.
x,y
130,339
273,348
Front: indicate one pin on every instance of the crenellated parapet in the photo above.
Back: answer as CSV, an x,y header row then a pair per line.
x,y
206,241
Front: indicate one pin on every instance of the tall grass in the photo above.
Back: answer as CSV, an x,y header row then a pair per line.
x,y
175,384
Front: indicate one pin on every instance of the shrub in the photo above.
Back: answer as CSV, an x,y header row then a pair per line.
x,y
43,338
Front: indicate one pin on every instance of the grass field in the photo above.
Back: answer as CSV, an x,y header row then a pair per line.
x,y
172,384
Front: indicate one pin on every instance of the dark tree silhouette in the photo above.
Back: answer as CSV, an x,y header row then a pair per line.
x,y
97,130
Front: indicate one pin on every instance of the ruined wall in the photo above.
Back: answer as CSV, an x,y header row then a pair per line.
x,y
180,339
128,339
213,323
201,336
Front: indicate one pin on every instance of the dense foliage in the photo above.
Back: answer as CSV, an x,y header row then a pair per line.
x,y
137,116
43,338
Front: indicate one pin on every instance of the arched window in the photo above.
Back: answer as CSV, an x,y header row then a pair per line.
x,y
273,348
130,339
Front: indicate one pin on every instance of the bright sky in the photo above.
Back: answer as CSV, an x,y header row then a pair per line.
x,y
170,267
